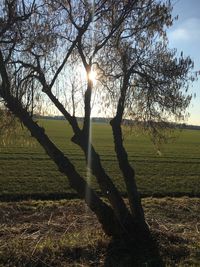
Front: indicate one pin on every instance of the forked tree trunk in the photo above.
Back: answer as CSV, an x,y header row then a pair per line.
x,y
124,229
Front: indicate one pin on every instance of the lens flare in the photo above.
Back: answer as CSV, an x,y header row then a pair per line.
x,y
92,76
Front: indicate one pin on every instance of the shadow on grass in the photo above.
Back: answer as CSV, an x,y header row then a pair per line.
x,y
120,254
165,249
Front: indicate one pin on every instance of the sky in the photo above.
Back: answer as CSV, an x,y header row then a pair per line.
x,y
184,35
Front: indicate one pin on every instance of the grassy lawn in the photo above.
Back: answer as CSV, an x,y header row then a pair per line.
x,y
65,233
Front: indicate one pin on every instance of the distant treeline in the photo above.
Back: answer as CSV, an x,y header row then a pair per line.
x,y
191,127
106,120
80,119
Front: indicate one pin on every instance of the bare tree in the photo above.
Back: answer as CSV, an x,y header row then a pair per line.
x,y
125,42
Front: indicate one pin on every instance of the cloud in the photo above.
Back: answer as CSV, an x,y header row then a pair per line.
x,y
180,34
188,31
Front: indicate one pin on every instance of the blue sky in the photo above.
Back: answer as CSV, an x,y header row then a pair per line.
x,y
185,36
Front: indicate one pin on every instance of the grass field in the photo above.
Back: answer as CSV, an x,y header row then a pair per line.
x,y
25,170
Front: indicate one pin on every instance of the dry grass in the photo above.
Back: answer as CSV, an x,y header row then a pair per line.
x,y
175,222
66,233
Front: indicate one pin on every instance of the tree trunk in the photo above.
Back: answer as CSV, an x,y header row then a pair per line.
x,y
129,176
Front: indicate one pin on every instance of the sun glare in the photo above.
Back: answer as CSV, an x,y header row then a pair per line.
x,y
92,76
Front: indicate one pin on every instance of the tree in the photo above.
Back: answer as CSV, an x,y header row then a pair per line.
x,y
125,43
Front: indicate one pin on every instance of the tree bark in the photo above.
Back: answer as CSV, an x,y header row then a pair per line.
x,y
122,156
128,174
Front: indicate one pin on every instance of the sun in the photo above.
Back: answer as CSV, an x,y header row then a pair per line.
x,y
92,76
84,76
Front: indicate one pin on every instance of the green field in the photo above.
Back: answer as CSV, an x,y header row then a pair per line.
x,y
26,171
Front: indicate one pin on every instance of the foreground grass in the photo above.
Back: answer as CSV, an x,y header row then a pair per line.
x,y
26,171
65,233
